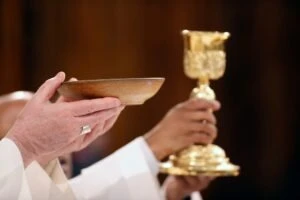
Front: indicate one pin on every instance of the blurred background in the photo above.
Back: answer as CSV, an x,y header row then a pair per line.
x,y
92,39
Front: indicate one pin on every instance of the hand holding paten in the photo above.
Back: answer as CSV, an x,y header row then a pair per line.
x,y
44,127
106,119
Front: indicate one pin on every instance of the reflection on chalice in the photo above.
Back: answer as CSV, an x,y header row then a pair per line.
x,y
204,59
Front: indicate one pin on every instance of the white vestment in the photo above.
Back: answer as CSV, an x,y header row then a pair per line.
x,y
129,173
13,183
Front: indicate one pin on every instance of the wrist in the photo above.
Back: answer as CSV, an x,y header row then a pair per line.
x,y
155,146
27,155
44,161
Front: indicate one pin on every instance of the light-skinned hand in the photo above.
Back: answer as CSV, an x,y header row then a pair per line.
x,y
102,126
43,127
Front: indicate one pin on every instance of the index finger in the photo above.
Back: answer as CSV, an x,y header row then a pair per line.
x,y
85,107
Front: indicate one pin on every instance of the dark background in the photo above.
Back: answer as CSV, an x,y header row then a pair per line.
x,y
258,123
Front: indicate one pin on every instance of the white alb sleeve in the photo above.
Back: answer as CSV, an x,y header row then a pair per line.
x,y
13,183
126,174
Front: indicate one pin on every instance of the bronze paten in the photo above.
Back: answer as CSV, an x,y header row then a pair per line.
x,y
130,91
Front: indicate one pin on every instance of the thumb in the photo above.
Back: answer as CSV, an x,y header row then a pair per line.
x,y
65,99
48,89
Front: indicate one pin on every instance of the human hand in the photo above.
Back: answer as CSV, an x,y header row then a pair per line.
x,y
105,122
178,187
185,124
44,127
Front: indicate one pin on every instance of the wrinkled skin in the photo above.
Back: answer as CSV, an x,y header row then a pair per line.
x,y
10,106
81,142
177,120
53,129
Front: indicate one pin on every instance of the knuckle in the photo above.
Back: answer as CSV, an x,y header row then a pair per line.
x,y
184,115
200,103
192,103
199,138
207,127
210,130
196,103
202,127
207,116
199,116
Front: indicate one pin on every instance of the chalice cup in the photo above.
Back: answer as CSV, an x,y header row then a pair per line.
x,y
204,59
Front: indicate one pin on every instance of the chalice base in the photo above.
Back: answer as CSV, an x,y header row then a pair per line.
x,y
199,160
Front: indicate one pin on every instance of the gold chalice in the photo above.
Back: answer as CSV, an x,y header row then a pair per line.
x,y
204,59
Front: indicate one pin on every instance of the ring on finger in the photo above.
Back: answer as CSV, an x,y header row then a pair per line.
x,y
85,129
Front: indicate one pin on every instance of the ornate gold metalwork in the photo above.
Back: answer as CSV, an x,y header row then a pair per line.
x,y
204,59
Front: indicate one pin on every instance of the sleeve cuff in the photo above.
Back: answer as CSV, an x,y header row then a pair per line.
x,y
10,153
150,157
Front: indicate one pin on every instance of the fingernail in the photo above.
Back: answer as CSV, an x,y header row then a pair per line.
x,y
73,79
60,75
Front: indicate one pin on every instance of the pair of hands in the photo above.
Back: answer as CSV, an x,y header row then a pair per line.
x,y
185,124
44,130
